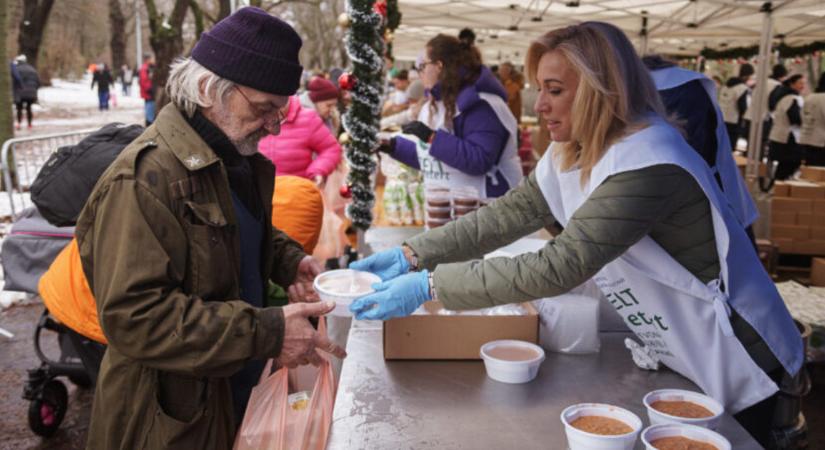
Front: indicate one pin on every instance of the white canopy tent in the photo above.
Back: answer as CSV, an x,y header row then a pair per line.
x,y
504,29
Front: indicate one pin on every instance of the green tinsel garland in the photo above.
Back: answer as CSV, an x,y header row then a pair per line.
x,y
365,47
785,51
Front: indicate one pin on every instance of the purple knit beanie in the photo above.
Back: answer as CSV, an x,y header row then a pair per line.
x,y
254,49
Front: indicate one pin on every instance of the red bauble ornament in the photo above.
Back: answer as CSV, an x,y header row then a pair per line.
x,y
345,191
380,7
347,81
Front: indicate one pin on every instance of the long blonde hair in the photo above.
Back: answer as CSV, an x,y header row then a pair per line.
x,y
615,92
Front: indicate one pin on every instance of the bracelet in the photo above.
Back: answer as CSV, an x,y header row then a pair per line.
x,y
412,258
432,286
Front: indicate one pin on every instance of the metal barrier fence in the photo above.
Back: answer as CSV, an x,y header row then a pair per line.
x,y
22,159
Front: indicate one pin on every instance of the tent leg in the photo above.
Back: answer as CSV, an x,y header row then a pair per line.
x,y
759,95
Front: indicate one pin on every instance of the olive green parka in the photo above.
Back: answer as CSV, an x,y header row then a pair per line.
x,y
160,248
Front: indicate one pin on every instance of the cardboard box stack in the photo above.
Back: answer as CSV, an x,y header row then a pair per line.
x,y
798,213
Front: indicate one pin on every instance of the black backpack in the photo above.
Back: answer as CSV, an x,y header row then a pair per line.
x,y
66,180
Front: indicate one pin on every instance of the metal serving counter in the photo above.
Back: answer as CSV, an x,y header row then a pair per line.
x,y
454,405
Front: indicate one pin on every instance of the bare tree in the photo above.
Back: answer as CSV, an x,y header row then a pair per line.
x,y
32,26
6,117
117,38
317,23
166,39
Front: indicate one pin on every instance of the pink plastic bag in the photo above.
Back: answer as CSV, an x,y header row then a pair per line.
x,y
271,423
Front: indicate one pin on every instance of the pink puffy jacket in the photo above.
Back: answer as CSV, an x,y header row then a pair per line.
x,y
303,134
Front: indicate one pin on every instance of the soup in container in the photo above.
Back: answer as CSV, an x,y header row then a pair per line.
x,y
673,436
343,286
512,361
681,406
591,426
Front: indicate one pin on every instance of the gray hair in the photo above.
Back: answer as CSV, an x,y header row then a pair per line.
x,y
184,86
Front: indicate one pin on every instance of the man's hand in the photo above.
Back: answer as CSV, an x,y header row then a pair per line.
x,y
301,340
301,289
319,181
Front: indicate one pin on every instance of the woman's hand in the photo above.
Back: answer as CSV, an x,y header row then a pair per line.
x,y
387,264
398,297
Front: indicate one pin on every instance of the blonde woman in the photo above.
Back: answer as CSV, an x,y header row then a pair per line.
x,y
643,218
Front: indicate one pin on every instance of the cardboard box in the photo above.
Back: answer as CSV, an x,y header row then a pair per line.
x,y
807,189
804,219
784,218
785,245
433,336
812,173
818,207
781,189
818,272
795,232
818,232
811,247
797,205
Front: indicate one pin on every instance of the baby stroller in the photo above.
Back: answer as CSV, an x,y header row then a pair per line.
x,y
27,253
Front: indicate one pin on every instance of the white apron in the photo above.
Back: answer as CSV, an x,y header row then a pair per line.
x,y
669,309
437,172
729,101
733,185
782,127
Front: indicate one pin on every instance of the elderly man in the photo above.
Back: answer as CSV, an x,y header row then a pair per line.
x,y
176,244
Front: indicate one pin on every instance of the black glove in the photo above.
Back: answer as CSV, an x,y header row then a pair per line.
x,y
419,130
386,146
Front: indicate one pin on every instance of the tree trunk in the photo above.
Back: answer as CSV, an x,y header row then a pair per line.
x,y
117,36
166,39
6,114
32,26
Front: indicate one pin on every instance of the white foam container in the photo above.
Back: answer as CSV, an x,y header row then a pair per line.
x,y
658,417
511,371
582,440
700,434
342,300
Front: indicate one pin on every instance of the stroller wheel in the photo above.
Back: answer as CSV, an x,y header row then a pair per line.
x,y
47,410
83,381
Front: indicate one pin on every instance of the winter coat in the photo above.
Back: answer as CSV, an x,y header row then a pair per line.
x,y
661,201
159,245
147,91
478,138
26,85
103,78
304,147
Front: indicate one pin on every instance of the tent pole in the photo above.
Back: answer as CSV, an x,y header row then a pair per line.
x,y
759,95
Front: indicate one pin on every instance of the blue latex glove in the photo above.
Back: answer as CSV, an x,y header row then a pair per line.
x,y
387,264
398,297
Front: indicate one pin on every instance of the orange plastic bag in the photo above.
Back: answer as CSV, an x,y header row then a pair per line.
x,y
274,421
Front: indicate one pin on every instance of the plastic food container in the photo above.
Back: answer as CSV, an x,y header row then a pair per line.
x,y
434,222
657,417
462,210
343,286
437,212
654,432
512,361
437,196
582,440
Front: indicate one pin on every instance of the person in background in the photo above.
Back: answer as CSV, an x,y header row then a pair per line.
x,y
398,100
733,101
305,147
103,78
691,98
774,82
180,300
322,96
416,98
147,88
126,76
642,215
513,82
812,131
475,148
25,83
786,107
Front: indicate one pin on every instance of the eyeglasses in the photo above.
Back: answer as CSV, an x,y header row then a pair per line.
x,y
423,65
265,112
